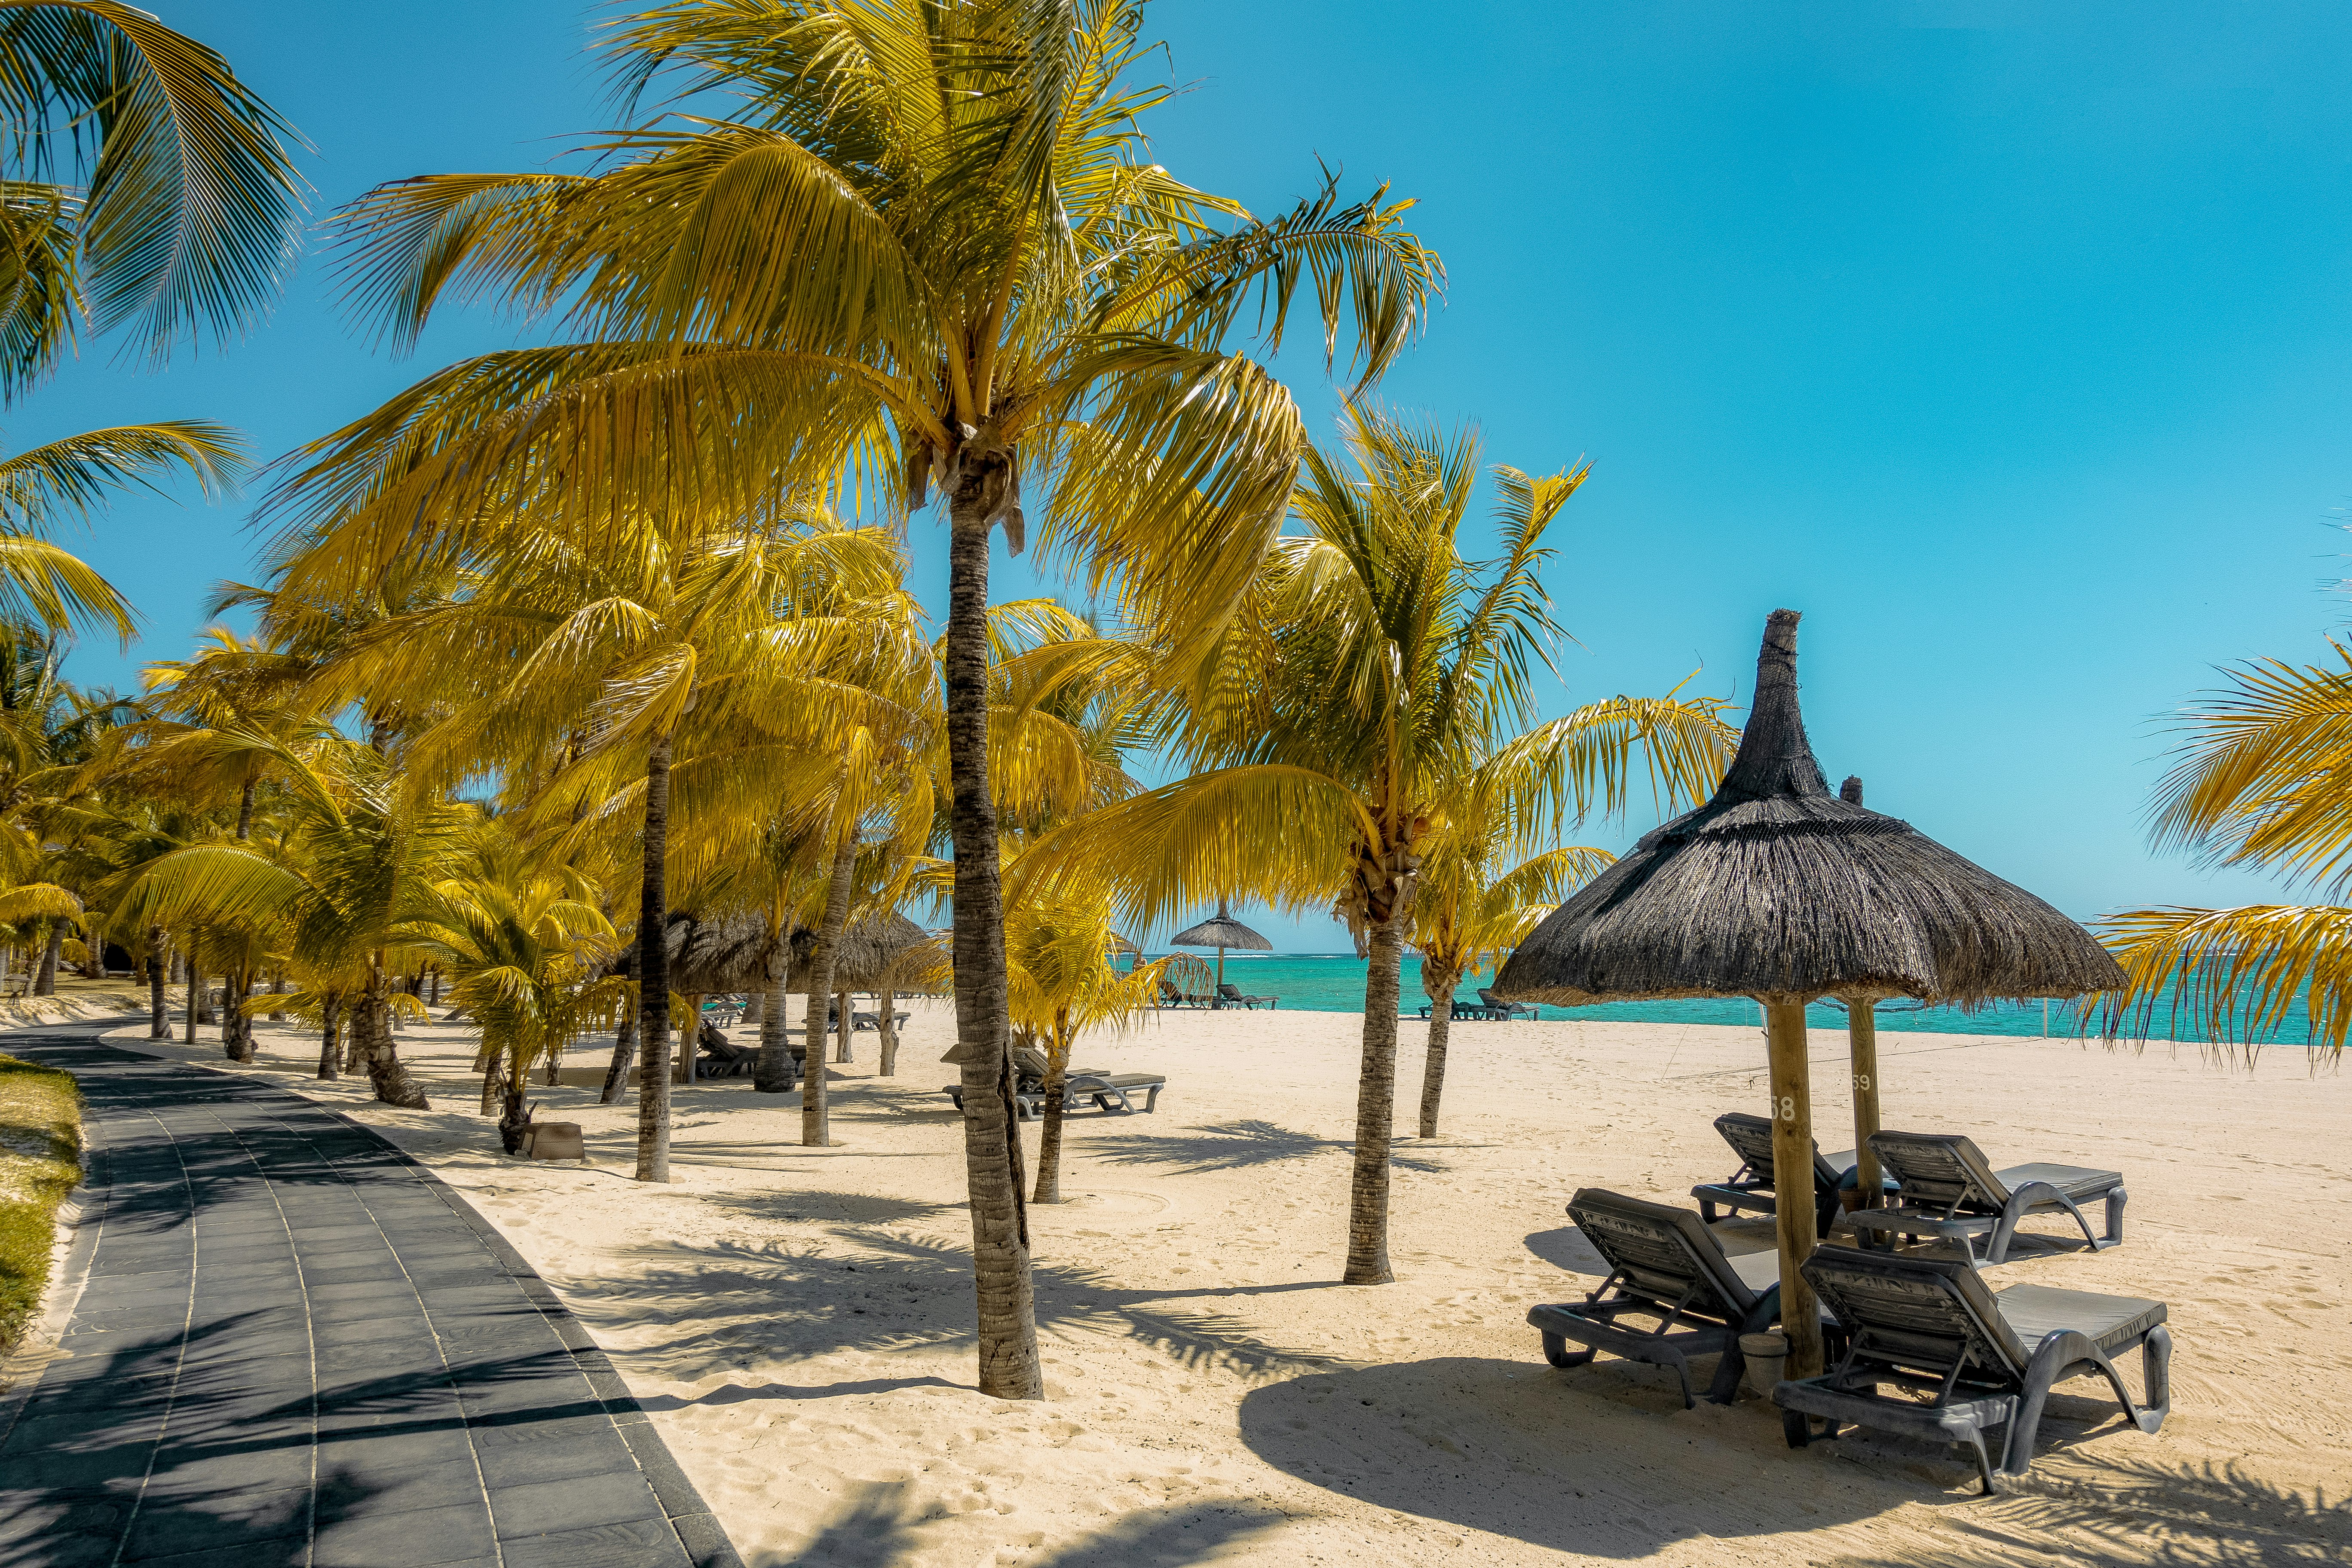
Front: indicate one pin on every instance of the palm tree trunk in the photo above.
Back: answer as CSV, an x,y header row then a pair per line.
x,y
885,1025
330,1040
196,996
236,1029
816,1109
494,1080
624,1045
1368,1192
245,810
653,975
1049,1136
848,1027
372,1027
277,988
159,1018
991,1145
47,985
1432,1065
772,1072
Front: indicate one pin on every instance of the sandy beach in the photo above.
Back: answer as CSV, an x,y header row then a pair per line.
x,y
799,1319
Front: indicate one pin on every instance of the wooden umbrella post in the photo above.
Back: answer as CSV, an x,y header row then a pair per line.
x,y
1792,1152
1862,1027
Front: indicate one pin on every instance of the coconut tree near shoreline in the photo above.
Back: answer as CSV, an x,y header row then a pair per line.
x,y
1371,670
929,247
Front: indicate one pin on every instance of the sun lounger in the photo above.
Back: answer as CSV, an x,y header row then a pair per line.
x,y
1170,996
1460,1009
1507,1011
858,1021
1663,1263
1754,1188
1946,1188
722,1057
1230,995
1112,1092
1988,1357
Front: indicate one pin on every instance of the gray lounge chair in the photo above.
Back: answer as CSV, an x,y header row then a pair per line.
x,y
1232,996
1946,1188
1663,1263
1499,1008
1754,1188
1460,1009
722,1057
1988,1357
1111,1093
861,1021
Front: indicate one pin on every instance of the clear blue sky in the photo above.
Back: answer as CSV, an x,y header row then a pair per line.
x,y
2007,340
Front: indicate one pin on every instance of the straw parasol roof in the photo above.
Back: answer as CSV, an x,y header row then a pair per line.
x,y
1221,929
881,950
1778,888
708,955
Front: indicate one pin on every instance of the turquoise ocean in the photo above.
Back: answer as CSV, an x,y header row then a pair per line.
x,y
1334,983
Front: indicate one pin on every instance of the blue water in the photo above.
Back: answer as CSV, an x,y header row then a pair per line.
x,y
1334,983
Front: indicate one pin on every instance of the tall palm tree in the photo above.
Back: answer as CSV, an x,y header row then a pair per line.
x,y
2263,781
930,246
1371,670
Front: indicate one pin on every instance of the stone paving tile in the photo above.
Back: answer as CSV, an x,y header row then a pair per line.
x,y
296,1349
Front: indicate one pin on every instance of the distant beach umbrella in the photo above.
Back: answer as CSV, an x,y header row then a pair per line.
x,y
1778,891
1220,932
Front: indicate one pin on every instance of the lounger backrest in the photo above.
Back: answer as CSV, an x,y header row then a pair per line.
x,y
1229,992
1939,1170
1750,1138
1917,1312
1661,1251
1029,1062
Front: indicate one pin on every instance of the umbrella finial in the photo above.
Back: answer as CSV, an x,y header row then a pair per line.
x,y
1850,792
1775,759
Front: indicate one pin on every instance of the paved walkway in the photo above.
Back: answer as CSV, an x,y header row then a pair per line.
x,y
297,1347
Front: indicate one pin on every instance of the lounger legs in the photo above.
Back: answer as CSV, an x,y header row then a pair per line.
x,y
1555,1351
2059,1354
2037,1195
2115,1201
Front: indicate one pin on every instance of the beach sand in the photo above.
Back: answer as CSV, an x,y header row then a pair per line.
x,y
799,1320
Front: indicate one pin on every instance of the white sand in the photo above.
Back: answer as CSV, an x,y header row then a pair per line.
x,y
799,1319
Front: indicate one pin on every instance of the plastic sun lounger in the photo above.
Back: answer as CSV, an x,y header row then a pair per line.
x,y
863,1021
1460,1009
1946,1188
1111,1093
1499,1008
725,1058
1988,1357
1232,995
1663,1263
1754,1188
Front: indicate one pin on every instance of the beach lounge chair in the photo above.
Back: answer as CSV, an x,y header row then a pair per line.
x,y
1460,1009
722,1057
874,1020
1754,1187
1171,997
1663,1263
1499,1008
1988,1357
1112,1092
1946,1187
1230,995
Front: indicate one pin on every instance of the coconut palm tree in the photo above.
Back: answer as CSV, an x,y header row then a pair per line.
x,y
1372,669
525,953
929,245
2263,781
1473,904
361,855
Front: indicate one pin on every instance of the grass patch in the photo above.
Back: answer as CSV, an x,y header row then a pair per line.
x,y
41,1161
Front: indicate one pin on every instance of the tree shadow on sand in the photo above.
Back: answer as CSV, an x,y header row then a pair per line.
x,y
881,1526
1229,1146
902,1291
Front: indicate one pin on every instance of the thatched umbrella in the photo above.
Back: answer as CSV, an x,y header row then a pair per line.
x,y
1220,932
882,953
1778,891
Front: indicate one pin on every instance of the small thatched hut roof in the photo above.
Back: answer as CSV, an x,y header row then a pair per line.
x,y
881,950
1220,930
708,953
1778,888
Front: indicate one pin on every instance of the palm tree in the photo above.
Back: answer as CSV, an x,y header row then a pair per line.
x,y
1370,672
930,246
360,856
2263,781
525,953
1472,904
1058,947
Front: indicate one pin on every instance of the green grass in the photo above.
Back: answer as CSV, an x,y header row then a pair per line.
x,y
41,1161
